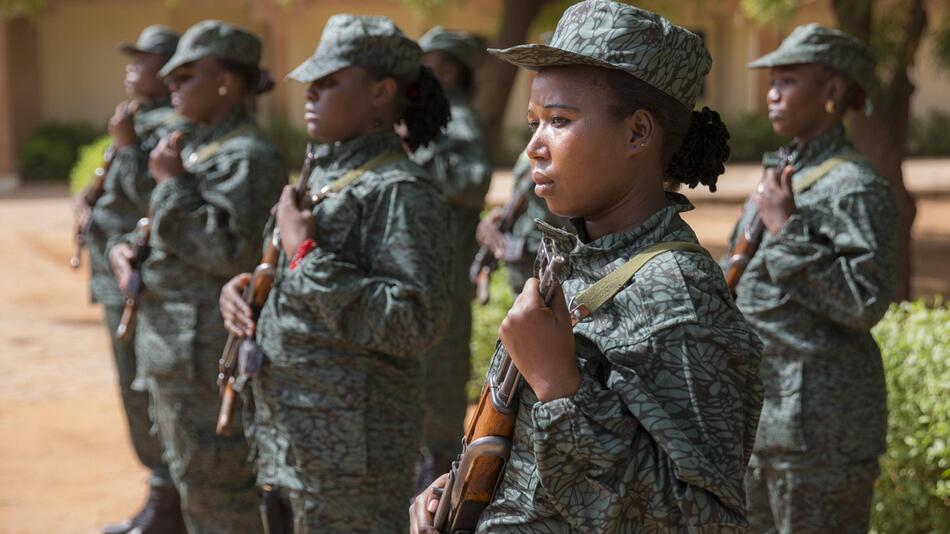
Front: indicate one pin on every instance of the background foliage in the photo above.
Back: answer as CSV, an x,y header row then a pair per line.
x,y
49,154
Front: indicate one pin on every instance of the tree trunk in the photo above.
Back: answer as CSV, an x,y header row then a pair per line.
x,y
882,137
495,77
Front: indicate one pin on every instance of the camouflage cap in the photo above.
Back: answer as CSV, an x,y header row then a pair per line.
x,y
464,47
216,39
812,43
618,36
154,39
374,42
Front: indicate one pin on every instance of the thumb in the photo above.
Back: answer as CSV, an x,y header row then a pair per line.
x,y
786,179
174,141
558,305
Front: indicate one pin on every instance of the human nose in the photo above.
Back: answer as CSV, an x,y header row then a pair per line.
x,y
537,146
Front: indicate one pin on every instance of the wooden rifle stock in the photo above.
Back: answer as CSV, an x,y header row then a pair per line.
x,y
91,194
255,295
487,442
485,263
140,250
749,239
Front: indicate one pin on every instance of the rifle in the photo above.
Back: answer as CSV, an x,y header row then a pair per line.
x,y
747,244
140,250
90,195
486,445
241,355
93,192
485,262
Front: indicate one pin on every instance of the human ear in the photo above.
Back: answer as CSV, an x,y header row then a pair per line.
x,y
641,128
383,92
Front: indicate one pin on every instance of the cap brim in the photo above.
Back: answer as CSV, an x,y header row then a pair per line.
x,y
177,60
537,56
128,48
777,58
316,67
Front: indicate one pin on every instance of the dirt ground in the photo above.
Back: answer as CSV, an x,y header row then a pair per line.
x,y
65,462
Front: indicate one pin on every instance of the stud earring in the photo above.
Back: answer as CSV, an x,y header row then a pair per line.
x,y
222,91
830,106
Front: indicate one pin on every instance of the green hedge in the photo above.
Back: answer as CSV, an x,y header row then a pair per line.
x,y
485,322
90,157
927,136
913,493
50,153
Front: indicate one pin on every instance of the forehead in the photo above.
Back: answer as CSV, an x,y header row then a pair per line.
x,y
574,83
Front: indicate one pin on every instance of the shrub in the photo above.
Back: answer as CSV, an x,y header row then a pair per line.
x,y
291,141
913,492
90,157
751,135
927,136
485,322
50,153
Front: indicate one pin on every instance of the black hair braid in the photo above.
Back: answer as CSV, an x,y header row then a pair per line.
x,y
265,82
256,80
427,110
702,156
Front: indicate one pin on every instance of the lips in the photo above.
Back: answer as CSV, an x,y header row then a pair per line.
x,y
775,114
543,186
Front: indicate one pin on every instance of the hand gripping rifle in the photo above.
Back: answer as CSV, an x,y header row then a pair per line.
x,y
487,442
241,355
140,250
747,244
485,262
93,192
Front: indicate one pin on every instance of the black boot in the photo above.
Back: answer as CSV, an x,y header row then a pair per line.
x,y
161,514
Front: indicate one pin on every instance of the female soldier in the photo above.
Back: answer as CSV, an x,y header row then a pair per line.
x,y
642,418
208,210
361,288
458,162
821,279
136,127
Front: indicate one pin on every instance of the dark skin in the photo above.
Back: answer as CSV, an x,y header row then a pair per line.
x,y
339,107
445,69
585,163
142,83
204,93
797,101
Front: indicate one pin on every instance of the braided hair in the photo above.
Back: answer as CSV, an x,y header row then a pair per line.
x,y
425,109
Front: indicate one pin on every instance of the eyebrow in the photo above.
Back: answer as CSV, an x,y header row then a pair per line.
x,y
561,106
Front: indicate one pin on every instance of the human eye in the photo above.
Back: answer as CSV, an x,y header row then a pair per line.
x,y
559,122
533,124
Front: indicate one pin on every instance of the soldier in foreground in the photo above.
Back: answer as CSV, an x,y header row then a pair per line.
x,y
458,162
641,418
361,290
215,187
136,127
822,278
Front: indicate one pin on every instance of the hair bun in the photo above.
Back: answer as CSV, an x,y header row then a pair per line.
x,y
704,152
265,83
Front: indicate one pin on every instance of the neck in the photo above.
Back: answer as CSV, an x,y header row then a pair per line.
x,y
805,138
636,206
220,115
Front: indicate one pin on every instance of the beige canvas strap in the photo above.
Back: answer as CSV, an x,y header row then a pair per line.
x,y
354,174
592,298
820,171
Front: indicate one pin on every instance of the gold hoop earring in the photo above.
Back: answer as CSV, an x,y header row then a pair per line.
x,y
222,91
830,106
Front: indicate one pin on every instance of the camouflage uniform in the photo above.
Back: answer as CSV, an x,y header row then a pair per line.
x,y
812,292
124,201
338,397
458,163
206,227
658,435
522,243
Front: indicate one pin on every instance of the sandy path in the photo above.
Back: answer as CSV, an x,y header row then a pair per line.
x,y
65,462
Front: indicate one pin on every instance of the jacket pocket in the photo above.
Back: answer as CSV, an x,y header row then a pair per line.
x,y
165,340
781,426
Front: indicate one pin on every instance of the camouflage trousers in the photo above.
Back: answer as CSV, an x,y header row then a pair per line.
x,y
787,495
147,446
179,344
344,439
447,370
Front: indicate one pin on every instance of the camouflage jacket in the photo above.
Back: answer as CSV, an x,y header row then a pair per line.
x,y
658,436
376,283
207,224
522,243
458,163
124,201
812,292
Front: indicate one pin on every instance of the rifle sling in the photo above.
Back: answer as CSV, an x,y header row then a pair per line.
x,y
819,172
354,174
595,296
